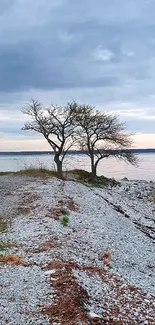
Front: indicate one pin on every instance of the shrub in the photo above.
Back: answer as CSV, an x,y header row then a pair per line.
x,y
65,220
85,176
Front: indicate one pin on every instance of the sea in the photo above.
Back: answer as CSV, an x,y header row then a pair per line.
x,y
15,161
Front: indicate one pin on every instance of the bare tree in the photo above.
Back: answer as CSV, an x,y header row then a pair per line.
x,y
101,135
56,125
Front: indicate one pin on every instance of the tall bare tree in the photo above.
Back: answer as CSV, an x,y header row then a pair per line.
x,y
55,124
102,135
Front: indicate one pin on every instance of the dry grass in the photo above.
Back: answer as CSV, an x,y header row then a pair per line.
x,y
29,198
33,172
54,213
12,260
70,299
37,172
62,208
69,304
8,245
69,203
44,247
23,210
107,257
151,197
27,204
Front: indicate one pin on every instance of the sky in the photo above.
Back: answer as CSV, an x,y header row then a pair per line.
x,y
99,52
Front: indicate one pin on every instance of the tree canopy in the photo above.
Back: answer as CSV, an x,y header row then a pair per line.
x,y
102,135
98,134
55,123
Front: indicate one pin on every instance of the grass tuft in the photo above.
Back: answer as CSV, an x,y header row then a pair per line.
x,y
3,224
65,220
12,259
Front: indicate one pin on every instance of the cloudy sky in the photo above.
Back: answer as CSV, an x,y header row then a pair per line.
x,y
99,52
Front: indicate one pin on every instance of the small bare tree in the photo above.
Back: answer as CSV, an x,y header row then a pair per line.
x,y
101,135
56,125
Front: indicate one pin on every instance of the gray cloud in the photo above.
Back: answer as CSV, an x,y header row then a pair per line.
x,y
51,45
102,53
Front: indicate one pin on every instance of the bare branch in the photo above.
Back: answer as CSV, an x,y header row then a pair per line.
x,y
55,124
102,135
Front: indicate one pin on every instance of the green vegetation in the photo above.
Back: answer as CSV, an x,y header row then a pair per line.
x,y
80,175
86,177
2,248
5,173
65,220
104,181
3,224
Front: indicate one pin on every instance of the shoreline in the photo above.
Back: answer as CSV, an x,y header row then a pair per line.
x,y
67,174
108,167
118,219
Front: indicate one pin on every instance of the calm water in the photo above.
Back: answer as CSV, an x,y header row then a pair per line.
x,y
107,167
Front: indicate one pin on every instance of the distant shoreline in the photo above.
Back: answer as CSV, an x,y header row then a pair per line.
x,y
71,152
15,161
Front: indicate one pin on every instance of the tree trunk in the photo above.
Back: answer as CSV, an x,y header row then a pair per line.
x,y
94,169
93,172
92,163
58,165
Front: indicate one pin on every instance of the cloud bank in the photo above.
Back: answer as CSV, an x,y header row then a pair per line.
x,y
98,52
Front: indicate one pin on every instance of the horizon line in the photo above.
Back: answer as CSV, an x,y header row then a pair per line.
x,y
50,151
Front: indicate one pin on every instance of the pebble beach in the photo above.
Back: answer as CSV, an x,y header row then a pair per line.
x,y
73,254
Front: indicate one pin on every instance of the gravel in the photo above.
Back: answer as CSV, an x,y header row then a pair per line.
x,y
22,292
119,219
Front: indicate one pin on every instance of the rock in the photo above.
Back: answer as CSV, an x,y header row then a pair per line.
x,y
93,315
49,272
139,197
